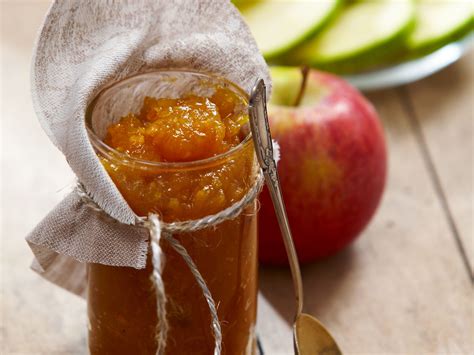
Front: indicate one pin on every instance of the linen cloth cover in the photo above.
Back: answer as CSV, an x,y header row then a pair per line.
x,y
86,45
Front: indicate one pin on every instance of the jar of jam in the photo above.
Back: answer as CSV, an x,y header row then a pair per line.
x,y
177,144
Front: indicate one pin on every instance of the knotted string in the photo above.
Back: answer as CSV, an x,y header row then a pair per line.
x,y
161,230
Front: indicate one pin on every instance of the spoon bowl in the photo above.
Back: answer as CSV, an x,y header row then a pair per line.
x,y
311,337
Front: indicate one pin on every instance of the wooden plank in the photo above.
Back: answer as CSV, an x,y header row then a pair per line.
x,y
402,287
444,112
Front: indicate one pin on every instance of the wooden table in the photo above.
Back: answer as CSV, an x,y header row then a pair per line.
x,y
405,287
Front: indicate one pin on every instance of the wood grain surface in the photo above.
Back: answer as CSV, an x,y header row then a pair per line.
x,y
405,286
442,111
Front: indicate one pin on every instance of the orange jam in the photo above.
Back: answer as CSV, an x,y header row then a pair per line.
x,y
176,130
214,167
181,130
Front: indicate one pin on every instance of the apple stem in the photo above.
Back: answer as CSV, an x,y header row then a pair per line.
x,y
304,73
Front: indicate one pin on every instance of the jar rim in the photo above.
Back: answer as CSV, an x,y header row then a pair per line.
x,y
112,153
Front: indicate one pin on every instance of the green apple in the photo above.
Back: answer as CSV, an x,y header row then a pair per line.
x,y
359,37
279,25
439,22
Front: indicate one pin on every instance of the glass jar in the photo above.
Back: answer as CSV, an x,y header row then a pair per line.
x,y
121,300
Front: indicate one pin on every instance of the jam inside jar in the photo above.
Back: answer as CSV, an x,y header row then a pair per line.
x,y
176,143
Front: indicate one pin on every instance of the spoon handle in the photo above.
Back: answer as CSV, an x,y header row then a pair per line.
x,y
264,150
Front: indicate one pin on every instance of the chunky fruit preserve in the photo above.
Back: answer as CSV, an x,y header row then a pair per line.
x,y
182,156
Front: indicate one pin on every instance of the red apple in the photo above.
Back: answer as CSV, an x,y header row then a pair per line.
x,y
332,168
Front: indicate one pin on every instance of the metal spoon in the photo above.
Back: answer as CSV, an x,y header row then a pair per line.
x,y
310,337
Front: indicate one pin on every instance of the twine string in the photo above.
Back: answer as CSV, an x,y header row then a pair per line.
x,y
161,230
158,260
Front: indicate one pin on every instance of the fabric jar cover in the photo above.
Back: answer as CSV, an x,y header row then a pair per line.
x,y
84,46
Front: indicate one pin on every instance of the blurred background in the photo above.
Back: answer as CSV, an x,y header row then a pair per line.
x,y
405,286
